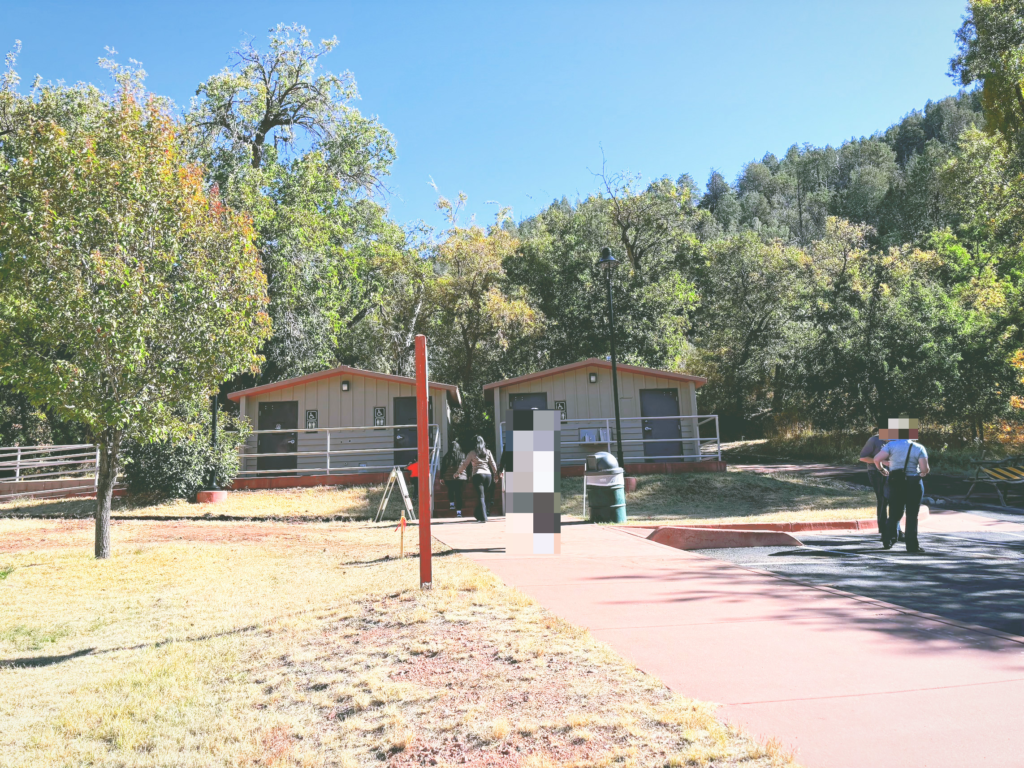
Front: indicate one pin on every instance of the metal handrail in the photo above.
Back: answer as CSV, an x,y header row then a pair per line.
x,y
49,463
608,428
435,461
328,452
339,429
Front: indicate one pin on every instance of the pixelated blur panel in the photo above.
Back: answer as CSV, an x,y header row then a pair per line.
x,y
533,484
900,429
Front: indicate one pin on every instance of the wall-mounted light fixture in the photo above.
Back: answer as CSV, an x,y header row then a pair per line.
x,y
593,378
344,386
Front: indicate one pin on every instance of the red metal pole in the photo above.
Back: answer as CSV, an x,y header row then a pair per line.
x,y
423,461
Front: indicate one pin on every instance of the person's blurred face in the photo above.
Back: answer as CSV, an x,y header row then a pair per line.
x,y
900,429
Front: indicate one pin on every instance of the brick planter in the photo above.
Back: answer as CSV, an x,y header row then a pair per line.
x,y
211,497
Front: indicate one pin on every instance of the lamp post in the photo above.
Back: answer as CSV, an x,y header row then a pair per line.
x,y
608,263
212,484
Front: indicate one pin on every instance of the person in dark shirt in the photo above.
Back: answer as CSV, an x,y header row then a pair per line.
x,y
872,448
480,467
453,483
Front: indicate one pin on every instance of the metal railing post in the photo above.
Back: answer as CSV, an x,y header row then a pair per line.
x,y
718,439
328,451
17,465
96,479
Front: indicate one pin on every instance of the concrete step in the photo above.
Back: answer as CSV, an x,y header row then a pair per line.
x,y
441,501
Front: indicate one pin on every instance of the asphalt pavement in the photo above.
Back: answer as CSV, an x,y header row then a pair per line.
x,y
974,577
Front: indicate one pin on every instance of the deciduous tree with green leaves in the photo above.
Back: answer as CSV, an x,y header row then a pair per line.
x,y
282,138
126,286
475,319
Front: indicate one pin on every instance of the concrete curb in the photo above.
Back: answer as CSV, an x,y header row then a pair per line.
x,y
793,527
712,538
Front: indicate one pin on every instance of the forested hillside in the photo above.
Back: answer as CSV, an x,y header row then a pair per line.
x,y
823,287
829,287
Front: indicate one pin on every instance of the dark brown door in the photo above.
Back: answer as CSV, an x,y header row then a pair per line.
x,y
279,417
405,438
528,401
661,402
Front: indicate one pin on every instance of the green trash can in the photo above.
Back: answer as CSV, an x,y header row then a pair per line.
x,y
605,489
607,503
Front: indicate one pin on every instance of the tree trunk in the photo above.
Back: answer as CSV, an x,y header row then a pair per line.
x,y
106,475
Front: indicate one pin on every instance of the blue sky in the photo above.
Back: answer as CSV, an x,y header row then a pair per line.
x,y
513,102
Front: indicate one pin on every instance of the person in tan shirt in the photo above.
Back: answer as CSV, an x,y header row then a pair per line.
x,y
483,470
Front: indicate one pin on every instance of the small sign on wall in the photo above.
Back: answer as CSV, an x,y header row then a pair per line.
x,y
380,416
312,420
560,407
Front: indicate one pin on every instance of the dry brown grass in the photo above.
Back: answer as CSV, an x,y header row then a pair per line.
x,y
735,497
317,504
266,644
730,497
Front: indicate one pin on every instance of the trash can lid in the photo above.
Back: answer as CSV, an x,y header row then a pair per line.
x,y
610,472
601,460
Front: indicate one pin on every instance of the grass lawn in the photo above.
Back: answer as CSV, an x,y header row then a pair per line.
x,y
210,643
314,504
725,497
735,497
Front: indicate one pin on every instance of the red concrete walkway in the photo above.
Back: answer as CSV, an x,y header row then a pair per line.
x,y
845,681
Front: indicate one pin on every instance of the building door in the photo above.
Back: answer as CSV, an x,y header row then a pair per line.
x,y
523,401
405,438
279,417
661,402
528,401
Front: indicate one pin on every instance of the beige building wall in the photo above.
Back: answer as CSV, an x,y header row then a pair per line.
x,y
344,409
593,403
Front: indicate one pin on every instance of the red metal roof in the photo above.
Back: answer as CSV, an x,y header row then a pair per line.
x,y
599,363
341,370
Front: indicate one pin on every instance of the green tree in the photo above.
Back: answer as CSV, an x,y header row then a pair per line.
x,y
126,286
556,264
282,96
745,329
282,139
991,43
476,321
929,333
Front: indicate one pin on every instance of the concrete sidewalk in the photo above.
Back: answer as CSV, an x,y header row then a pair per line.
x,y
843,680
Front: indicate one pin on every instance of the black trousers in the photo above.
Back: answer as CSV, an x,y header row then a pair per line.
x,y
882,506
482,481
905,497
455,491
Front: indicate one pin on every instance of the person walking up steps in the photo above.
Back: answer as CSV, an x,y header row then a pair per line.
x,y
452,480
908,464
483,473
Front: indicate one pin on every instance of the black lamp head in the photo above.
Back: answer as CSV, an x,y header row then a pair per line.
x,y
607,261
